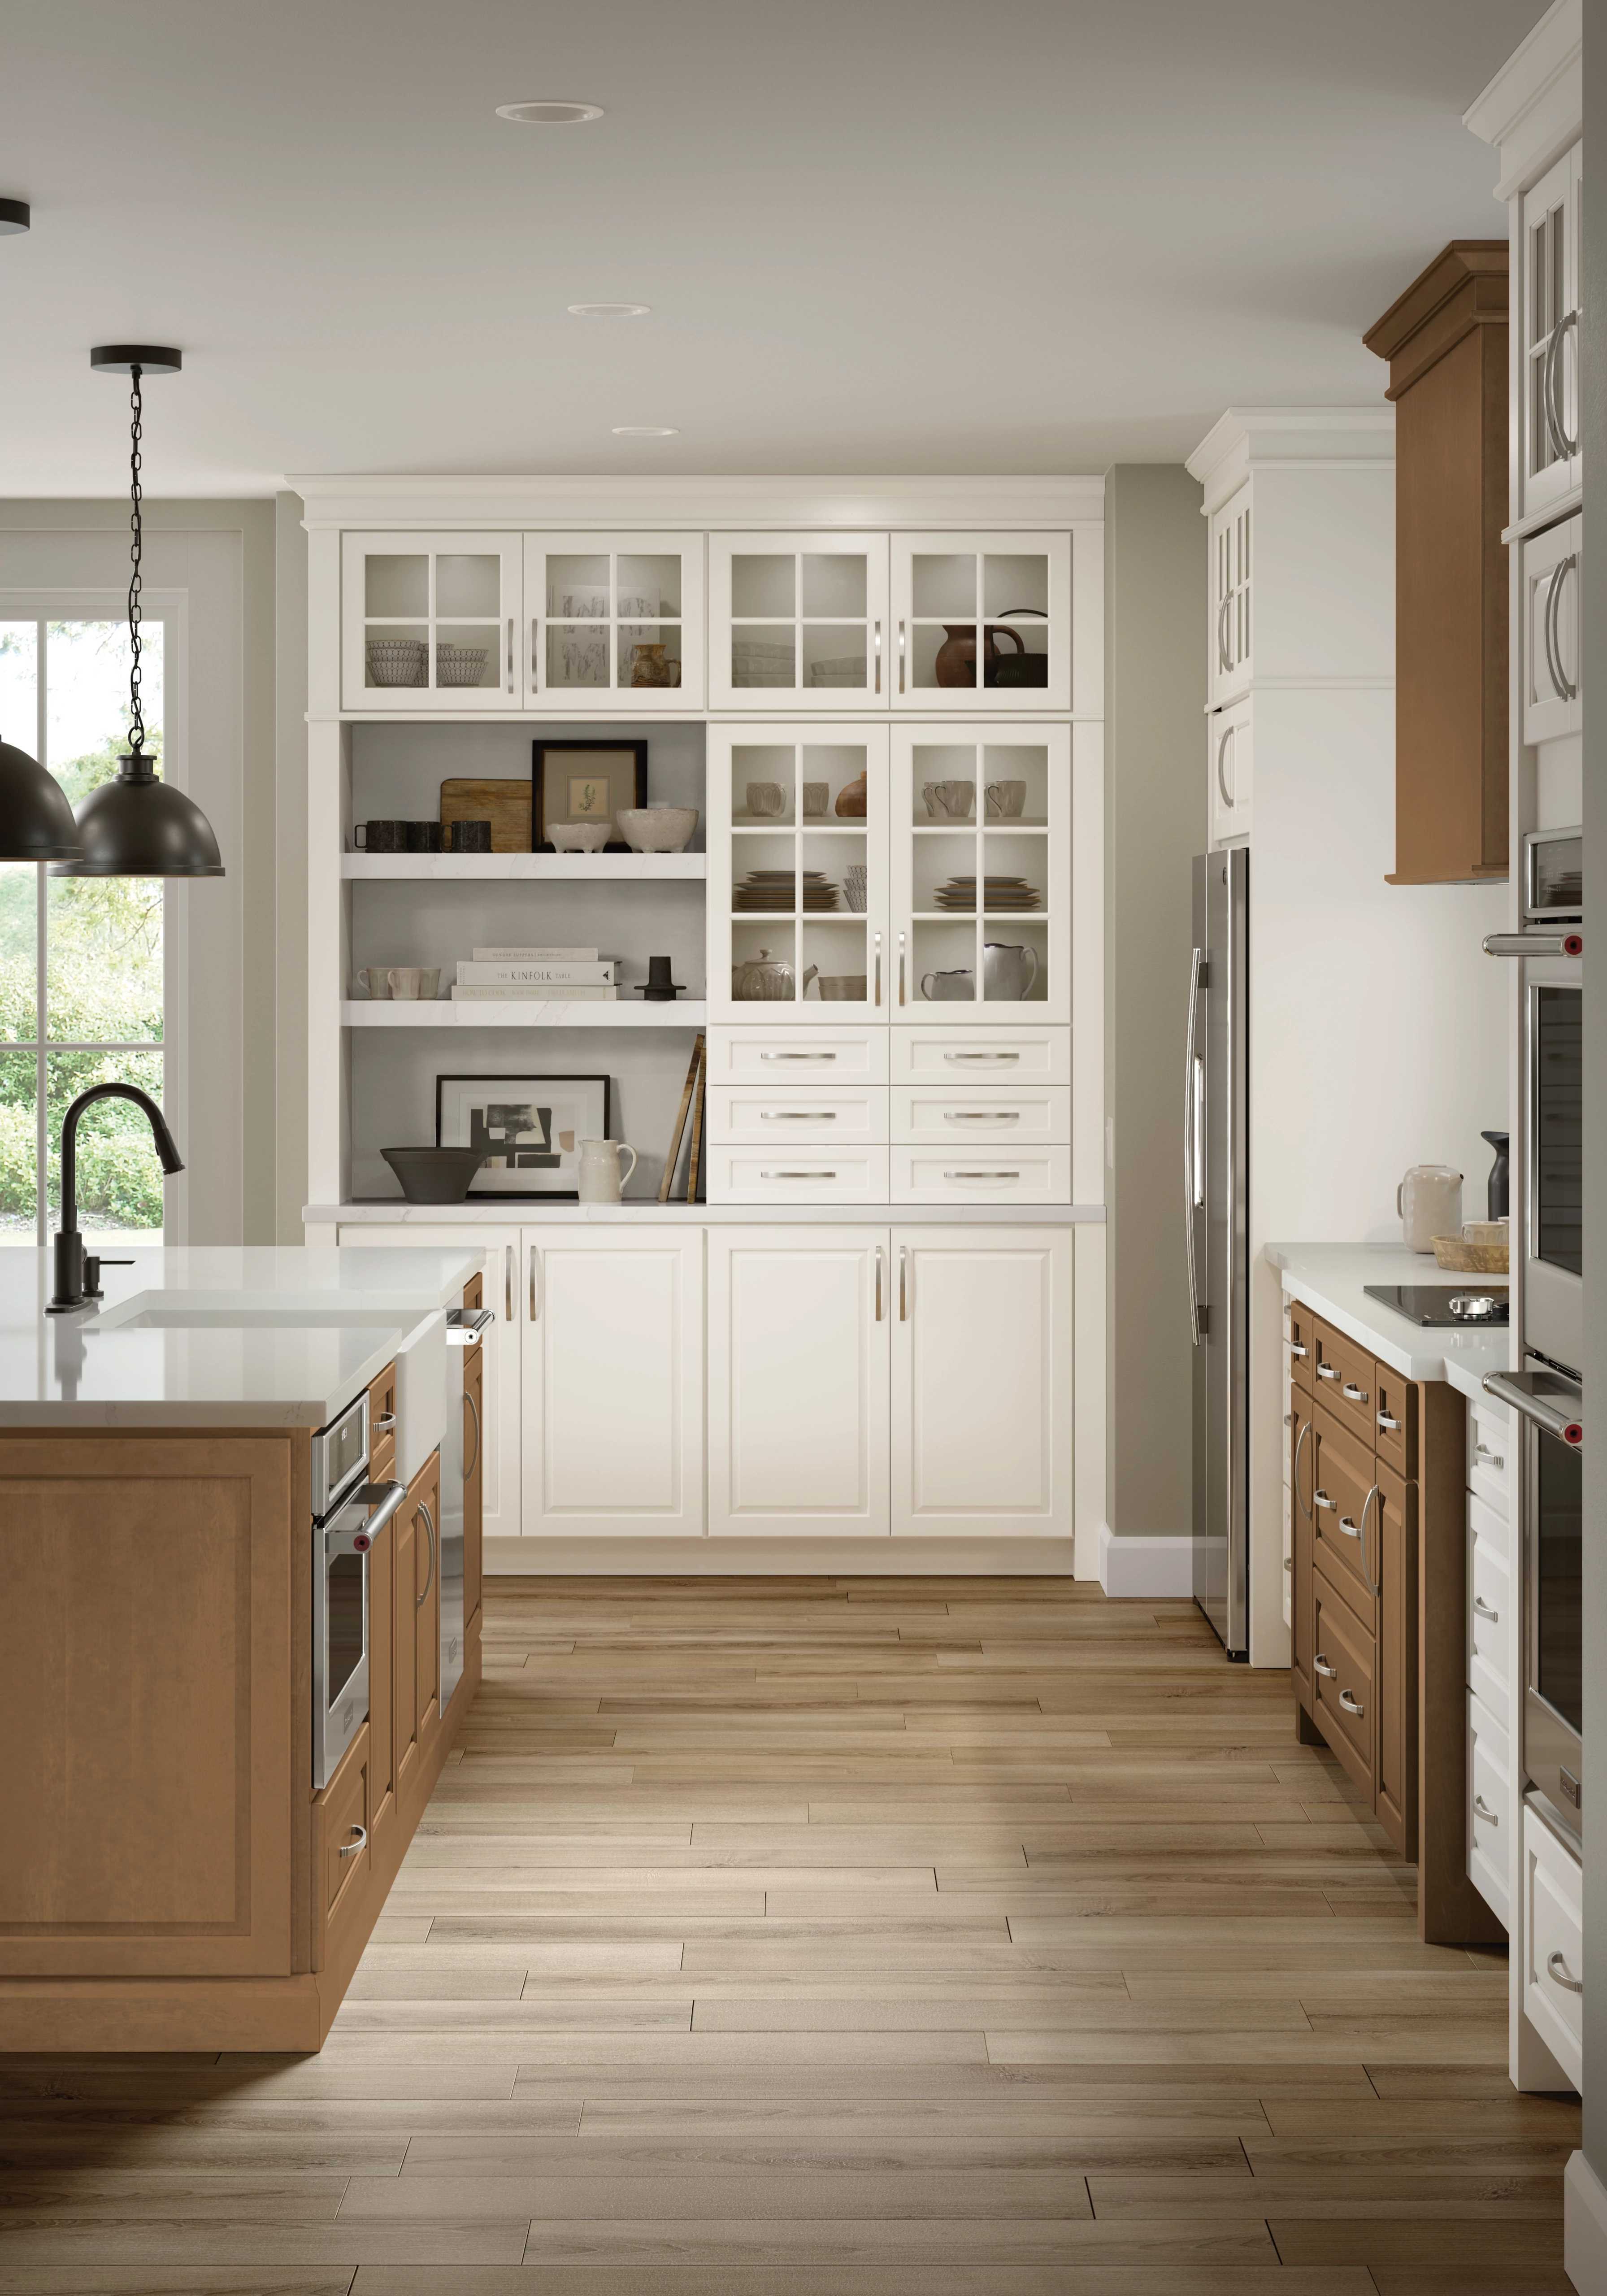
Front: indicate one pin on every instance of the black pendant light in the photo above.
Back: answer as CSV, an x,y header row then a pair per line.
x,y
139,826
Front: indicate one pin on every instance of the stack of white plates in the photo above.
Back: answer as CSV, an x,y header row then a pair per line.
x,y
999,895
774,890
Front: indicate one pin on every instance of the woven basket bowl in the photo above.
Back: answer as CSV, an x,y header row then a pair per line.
x,y
397,662
1461,1258
456,665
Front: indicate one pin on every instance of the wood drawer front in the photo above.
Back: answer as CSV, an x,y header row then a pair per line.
x,y
1491,1446
797,1056
1490,1591
1392,1559
1345,1381
345,1814
1344,1648
1395,1419
474,1294
961,1114
796,1175
1301,1437
1342,1479
1302,1344
1553,1944
981,1175
1489,1816
762,1115
991,1056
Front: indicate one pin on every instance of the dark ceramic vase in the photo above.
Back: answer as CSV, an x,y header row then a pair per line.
x,y
1496,1205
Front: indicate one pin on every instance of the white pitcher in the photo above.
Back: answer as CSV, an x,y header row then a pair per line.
x,y
1429,1200
601,1179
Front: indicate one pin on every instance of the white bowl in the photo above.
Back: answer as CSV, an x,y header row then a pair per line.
x,y
579,836
658,828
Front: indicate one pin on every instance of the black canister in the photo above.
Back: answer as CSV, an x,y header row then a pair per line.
x,y
1500,1174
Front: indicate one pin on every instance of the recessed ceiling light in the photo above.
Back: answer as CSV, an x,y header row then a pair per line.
x,y
644,431
608,310
549,112
15,216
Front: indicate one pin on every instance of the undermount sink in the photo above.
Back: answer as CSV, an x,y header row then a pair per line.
x,y
182,1311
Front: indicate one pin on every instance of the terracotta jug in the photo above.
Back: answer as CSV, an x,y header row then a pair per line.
x,y
957,663
853,798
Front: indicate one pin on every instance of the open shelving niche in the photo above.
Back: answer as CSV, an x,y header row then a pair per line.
x,y
434,908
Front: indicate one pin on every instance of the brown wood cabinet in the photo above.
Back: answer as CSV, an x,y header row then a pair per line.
x,y
1302,1483
415,1647
1446,340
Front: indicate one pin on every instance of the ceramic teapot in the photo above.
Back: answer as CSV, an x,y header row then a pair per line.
x,y
766,979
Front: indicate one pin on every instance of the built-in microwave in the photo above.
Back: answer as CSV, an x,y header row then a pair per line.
x,y
1553,1160
349,1513
1549,1408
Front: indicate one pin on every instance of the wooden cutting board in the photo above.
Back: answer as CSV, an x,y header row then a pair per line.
x,y
505,805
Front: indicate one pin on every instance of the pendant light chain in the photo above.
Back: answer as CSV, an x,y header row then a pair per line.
x,y
137,580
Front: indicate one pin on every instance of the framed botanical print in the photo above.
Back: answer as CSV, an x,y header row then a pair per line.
x,y
586,782
530,1127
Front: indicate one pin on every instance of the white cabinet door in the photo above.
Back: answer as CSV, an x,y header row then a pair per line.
x,y
1230,736
497,1251
798,1321
430,622
1552,567
610,614
793,881
1230,598
797,622
981,622
981,1388
982,810
614,1381
1548,302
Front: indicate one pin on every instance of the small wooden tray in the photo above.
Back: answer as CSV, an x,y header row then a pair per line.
x,y
1460,1258
505,805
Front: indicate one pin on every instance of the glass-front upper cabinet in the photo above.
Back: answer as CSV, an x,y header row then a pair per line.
x,y
611,616
1550,292
981,622
798,621
430,621
797,873
981,879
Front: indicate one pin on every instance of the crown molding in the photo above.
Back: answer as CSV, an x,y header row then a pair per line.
x,y
700,503
1289,438
1534,108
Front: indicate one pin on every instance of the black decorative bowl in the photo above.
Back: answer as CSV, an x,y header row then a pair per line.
x,y
434,1176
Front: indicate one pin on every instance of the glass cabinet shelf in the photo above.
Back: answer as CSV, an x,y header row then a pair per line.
x,y
799,620
429,621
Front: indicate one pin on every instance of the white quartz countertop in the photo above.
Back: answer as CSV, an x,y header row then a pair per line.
x,y
1330,1277
315,1326
526,1211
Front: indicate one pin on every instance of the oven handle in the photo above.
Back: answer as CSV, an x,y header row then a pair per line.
x,y
1534,943
385,1497
1567,1427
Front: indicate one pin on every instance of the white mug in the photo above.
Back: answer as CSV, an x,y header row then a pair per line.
x,y
600,1179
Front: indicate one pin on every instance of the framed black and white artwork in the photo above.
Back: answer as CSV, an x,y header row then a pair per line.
x,y
530,1127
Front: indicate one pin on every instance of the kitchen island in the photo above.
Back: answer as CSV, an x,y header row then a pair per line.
x,y
176,1876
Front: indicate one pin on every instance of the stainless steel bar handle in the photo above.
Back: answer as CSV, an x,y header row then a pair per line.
x,y
510,654
901,942
1552,444
798,1056
1485,1611
430,1533
1196,960
990,1060
1548,630
798,1175
1351,1704
878,647
903,648
1222,751
535,1263
878,1283
1298,1446
878,997
1568,1427
359,1840
1481,1808
1224,662
1556,1967
1566,687
1322,1667
797,1115
1374,1586
1534,943
903,1284
981,1116
1553,373
1014,1174
507,1284
535,650
385,1498
474,1415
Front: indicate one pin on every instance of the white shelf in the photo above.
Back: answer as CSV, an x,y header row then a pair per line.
x,y
520,1013
484,868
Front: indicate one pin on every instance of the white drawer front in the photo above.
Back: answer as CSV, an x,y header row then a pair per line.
x,y
1490,1809
1489,1628
983,1173
797,1056
1495,1531
986,1057
796,1175
760,1115
1554,1958
925,1113
1491,1443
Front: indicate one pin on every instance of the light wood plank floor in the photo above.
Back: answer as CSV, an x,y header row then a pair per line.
x,y
873,1938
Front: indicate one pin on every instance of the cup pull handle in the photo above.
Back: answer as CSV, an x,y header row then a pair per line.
x,y
359,1840
1557,1968
1322,1667
1350,1704
1481,1808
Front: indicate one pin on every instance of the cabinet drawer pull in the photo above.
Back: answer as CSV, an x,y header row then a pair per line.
x,y
1390,1426
1351,1529
1297,1351
878,645
903,1284
1350,1704
474,1415
981,1116
510,654
1354,1394
386,1419
878,996
1484,1610
1491,1458
797,1176
991,1059
1481,1808
351,1849
535,650
534,1301
1300,1445
507,1284
902,650
901,937
1555,1966
1322,1667
430,1533
1014,1174
1321,1498
1289,1562
1326,1371
798,1056
878,1283
797,1115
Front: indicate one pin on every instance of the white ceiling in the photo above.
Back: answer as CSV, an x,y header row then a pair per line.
x,y
900,236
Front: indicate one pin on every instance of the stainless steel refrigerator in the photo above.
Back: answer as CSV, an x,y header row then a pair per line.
x,y
1216,1155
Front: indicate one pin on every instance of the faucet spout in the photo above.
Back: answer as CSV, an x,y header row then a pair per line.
x,y
78,1275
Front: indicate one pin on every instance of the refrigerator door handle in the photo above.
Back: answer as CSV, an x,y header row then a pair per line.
x,y
1193,1146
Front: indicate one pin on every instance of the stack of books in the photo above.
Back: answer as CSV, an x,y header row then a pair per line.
x,y
577,975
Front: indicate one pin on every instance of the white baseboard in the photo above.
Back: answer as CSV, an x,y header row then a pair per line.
x,y
1584,2226
778,1558
1149,1563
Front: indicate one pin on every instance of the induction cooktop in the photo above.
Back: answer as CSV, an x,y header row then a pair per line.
x,y
1449,1306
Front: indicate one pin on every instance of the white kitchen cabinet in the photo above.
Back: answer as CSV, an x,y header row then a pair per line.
x,y
1553,677
1230,738
798,1326
614,1381
986,1056
1230,598
1548,301
430,622
784,1116
798,621
786,869
828,1058
981,622
960,1115
1491,1810
606,615
1488,1619
497,1251
981,810
982,1425
1553,1944
979,1172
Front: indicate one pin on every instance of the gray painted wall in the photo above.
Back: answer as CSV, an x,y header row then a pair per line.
x,y
1155,822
